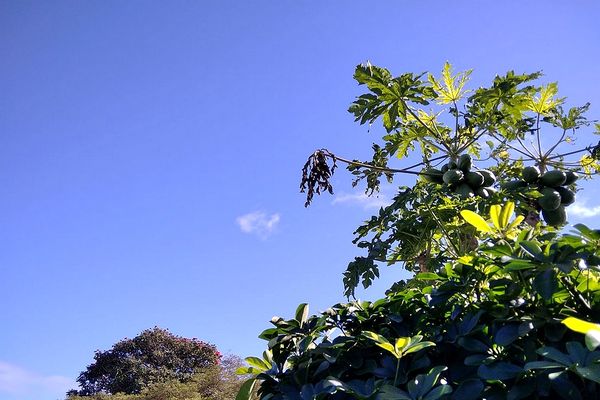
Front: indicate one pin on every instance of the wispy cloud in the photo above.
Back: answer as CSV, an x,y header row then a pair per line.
x,y
361,199
20,382
581,210
258,223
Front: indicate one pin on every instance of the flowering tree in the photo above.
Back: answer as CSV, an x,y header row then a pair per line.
x,y
154,356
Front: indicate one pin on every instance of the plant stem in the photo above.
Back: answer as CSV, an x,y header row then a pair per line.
x,y
397,371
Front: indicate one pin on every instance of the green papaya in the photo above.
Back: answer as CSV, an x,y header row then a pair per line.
x,y
464,163
571,177
555,217
452,164
474,179
513,185
531,174
433,175
567,196
482,192
445,168
488,177
464,191
550,199
453,176
553,178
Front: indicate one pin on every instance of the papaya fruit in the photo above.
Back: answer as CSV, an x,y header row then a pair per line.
x,y
433,175
567,196
482,192
531,174
452,164
550,199
571,177
553,178
513,185
464,191
445,168
474,179
464,163
453,176
555,217
488,177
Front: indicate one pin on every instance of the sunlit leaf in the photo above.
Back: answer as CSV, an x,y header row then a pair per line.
x,y
545,101
451,89
579,325
495,211
476,220
506,213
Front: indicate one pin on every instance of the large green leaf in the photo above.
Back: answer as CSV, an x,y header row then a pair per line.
x,y
302,313
499,370
545,284
246,390
389,392
476,220
468,390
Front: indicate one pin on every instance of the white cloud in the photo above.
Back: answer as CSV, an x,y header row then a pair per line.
x,y
361,199
258,223
580,210
20,382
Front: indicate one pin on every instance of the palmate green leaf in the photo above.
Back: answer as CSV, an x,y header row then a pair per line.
x,y
476,220
545,101
451,89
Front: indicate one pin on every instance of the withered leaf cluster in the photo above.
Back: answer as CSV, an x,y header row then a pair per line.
x,y
316,174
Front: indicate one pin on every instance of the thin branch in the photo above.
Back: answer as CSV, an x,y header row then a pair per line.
x,y
537,134
405,170
525,148
589,148
556,144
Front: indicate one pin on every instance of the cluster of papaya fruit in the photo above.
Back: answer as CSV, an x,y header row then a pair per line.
x,y
554,190
459,177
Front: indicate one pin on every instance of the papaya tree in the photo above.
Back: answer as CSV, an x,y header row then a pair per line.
x,y
504,301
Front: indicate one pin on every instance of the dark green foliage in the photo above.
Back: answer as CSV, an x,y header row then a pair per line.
x,y
154,356
495,319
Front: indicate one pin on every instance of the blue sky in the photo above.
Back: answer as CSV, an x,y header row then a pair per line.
x,y
150,157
